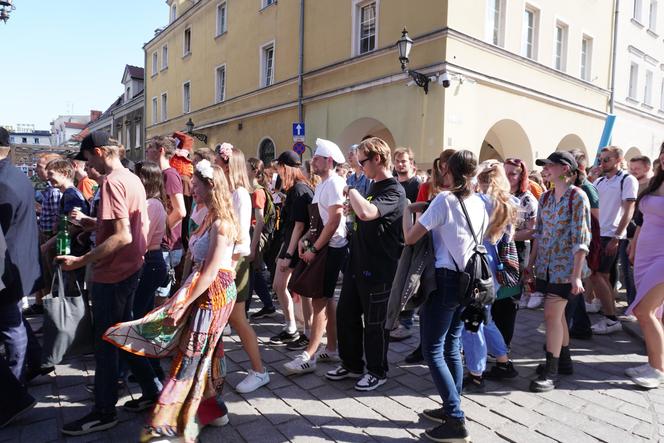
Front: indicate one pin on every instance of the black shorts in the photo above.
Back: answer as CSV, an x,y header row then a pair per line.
x,y
563,290
607,262
333,262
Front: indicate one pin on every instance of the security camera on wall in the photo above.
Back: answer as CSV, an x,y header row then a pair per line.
x,y
444,79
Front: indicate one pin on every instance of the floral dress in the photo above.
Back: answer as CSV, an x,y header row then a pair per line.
x,y
191,397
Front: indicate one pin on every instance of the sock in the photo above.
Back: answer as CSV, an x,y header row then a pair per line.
x,y
291,327
612,317
306,332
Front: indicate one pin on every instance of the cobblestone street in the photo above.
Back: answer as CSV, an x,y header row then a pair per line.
x,y
597,403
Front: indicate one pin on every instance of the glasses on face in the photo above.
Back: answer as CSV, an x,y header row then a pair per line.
x,y
606,159
361,162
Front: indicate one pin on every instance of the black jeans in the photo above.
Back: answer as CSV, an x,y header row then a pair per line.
x,y
260,281
504,316
577,318
358,339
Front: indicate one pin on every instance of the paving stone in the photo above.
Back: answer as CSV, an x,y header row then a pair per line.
x,y
342,430
637,412
301,431
519,414
614,418
261,430
227,434
479,414
482,434
517,433
387,407
561,432
307,405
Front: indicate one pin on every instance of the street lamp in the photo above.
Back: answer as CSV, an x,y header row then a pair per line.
x,y
190,130
5,8
405,44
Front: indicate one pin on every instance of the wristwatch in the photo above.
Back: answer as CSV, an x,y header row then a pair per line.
x,y
288,256
313,249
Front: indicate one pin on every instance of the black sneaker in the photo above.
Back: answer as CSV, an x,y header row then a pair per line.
x,y
33,310
436,415
369,382
501,371
23,405
339,373
284,337
93,422
264,312
298,345
473,384
452,430
140,404
415,356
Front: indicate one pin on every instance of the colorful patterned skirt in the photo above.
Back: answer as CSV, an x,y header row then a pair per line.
x,y
191,395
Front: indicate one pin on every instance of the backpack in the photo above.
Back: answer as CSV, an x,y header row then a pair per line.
x,y
476,282
269,214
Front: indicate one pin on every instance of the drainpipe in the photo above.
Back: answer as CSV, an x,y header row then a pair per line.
x,y
300,74
614,53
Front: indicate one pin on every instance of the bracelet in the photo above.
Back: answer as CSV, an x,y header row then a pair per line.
x,y
313,249
288,256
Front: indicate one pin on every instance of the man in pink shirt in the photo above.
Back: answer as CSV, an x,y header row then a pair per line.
x,y
121,239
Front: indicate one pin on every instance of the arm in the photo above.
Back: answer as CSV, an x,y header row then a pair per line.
x,y
121,237
362,207
526,233
258,229
631,249
412,232
178,212
628,212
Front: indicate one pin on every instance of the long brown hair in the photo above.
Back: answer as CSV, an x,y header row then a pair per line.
x,y
219,205
498,190
258,168
237,172
152,179
524,184
292,175
656,180
462,166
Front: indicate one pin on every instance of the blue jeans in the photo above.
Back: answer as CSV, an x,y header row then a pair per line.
x,y
476,344
440,331
259,278
112,303
172,259
13,335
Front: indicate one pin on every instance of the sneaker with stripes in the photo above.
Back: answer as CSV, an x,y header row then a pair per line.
x,y
301,364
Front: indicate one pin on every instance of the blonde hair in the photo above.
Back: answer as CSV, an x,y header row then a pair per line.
x,y
237,172
219,205
376,147
492,173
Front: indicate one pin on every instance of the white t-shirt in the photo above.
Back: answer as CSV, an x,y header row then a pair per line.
x,y
242,208
452,240
330,193
611,199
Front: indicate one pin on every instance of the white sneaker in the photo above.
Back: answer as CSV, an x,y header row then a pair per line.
x,y
523,303
219,422
536,300
369,382
606,326
628,318
301,364
594,306
651,378
253,381
325,355
635,371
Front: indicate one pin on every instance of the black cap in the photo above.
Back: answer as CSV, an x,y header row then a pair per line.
x,y
289,158
95,139
4,137
560,158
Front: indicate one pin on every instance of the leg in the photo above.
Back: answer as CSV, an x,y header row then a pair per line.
x,y
504,315
307,311
319,320
261,277
349,326
376,338
653,332
14,336
280,286
331,328
556,325
474,348
627,271
238,321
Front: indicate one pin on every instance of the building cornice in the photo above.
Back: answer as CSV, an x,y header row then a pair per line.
x,y
635,111
169,28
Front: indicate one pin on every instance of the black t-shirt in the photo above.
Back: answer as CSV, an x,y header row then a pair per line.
x,y
295,209
412,187
376,245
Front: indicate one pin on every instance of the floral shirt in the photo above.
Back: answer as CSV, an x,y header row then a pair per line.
x,y
563,228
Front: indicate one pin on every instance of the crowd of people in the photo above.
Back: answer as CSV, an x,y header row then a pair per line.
x,y
169,252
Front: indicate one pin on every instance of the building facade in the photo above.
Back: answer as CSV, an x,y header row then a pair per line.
x,y
27,145
526,78
64,127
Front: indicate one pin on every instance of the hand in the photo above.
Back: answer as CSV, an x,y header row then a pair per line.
x,y
173,317
308,256
612,247
283,264
301,248
69,262
577,286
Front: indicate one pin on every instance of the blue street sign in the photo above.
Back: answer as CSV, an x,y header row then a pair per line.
x,y
298,129
605,140
299,148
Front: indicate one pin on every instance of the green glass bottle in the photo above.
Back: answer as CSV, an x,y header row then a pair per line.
x,y
63,242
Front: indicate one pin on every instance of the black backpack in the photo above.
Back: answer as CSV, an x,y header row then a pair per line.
x,y
476,282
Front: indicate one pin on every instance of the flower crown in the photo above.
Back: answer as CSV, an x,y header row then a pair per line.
x,y
225,150
204,167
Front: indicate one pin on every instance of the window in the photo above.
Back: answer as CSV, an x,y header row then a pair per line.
x,y
266,151
495,29
186,98
137,140
128,94
36,140
647,90
633,80
12,139
164,57
652,21
367,28
127,137
164,107
24,139
267,3
221,18
267,65
560,58
638,9
154,63
530,32
220,84
661,97
154,110
186,45
586,57
173,15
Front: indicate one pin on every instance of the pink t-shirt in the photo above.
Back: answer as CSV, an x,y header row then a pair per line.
x,y
157,215
122,196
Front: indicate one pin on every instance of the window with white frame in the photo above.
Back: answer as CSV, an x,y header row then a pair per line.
x,y
221,18
155,65
560,56
186,43
127,137
366,31
661,97
186,97
652,20
220,84
586,57
530,32
164,107
24,140
36,140
174,12
633,80
154,110
267,65
647,90
137,139
495,22
638,10
164,57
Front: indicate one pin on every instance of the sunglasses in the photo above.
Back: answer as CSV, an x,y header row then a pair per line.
x,y
362,162
606,159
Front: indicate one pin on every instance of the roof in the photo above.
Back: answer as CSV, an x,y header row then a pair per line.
x,y
133,72
75,125
33,133
81,135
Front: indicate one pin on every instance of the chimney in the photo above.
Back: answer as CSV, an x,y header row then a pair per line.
x,y
94,115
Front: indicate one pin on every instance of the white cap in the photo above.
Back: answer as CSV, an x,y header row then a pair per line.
x,y
326,148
